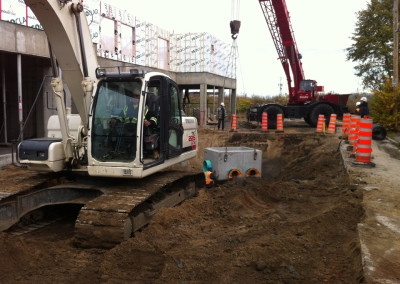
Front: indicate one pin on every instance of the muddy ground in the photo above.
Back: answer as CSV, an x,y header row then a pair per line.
x,y
296,224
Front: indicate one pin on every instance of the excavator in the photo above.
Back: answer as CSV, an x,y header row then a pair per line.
x,y
305,97
119,158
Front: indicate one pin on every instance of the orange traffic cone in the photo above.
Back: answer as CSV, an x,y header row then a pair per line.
x,y
352,132
321,123
264,122
332,124
346,126
364,149
355,144
279,123
233,123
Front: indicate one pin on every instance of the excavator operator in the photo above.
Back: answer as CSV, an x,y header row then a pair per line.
x,y
128,118
129,114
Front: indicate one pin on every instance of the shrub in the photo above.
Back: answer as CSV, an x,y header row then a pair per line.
x,y
382,106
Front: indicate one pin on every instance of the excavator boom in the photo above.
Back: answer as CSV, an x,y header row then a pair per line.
x,y
67,37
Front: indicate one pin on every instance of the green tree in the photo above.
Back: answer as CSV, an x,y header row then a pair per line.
x,y
243,104
382,106
373,44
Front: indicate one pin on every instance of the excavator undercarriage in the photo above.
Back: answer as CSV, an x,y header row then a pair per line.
x,y
113,209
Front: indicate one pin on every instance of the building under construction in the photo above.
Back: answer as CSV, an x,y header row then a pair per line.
x,y
196,61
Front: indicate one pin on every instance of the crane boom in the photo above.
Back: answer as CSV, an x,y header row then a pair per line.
x,y
280,27
305,101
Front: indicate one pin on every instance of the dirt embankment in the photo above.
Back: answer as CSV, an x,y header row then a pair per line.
x,y
297,224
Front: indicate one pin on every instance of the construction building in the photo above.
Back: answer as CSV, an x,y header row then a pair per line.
x,y
195,61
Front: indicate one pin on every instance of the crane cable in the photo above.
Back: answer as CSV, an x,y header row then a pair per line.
x,y
235,23
235,26
233,15
234,54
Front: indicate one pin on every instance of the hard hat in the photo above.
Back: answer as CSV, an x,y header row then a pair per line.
x,y
222,104
364,99
209,166
358,103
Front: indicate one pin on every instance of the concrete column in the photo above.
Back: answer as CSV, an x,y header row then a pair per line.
x,y
203,105
233,101
3,90
220,96
20,110
181,97
213,105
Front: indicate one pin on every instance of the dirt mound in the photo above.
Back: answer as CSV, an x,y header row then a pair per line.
x,y
297,228
297,224
247,125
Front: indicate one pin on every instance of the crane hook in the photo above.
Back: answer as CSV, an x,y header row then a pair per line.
x,y
235,26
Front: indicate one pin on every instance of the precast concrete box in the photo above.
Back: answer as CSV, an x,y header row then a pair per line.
x,y
230,162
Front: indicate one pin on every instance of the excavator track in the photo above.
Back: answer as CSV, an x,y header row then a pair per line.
x,y
128,206
113,209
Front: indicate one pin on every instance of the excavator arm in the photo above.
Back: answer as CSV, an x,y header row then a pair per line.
x,y
72,44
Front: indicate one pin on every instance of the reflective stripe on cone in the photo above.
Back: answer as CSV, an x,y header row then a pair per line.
x,y
279,123
346,125
264,122
320,124
233,123
364,149
332,124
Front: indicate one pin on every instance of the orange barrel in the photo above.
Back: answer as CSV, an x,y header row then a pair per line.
x,y
264,122
355,144
279,123
332,124
364,149
352,133
233,123
320,124
346,125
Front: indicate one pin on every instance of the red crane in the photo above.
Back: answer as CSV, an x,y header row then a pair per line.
x,y
304,98
280,27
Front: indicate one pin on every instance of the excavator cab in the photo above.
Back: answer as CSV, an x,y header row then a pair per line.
x,y
135,128
115,120
137,125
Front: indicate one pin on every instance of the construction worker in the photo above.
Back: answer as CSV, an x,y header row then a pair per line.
x,y
221,113
129,114
364,110
210,176
128,119
357,111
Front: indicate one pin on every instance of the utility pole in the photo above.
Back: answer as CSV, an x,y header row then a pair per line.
x,y
280,86
395,57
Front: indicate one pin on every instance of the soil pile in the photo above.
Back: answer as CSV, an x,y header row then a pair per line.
x,y
296,224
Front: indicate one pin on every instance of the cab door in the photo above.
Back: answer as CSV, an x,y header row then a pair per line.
x,y
175,128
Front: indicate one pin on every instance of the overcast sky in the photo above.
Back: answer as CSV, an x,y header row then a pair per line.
x,y
322,30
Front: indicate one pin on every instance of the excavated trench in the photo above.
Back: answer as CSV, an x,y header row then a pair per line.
x,y
295,224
